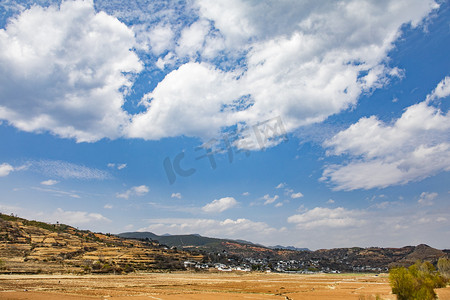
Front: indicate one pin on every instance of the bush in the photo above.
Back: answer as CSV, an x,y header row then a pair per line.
x,y
444,267
415,283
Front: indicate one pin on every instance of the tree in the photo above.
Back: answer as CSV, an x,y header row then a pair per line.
x,y
417,282
444,267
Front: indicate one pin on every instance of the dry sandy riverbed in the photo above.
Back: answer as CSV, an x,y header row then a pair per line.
x,y
198,286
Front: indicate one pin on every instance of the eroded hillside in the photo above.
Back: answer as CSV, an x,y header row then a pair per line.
x,y
37,247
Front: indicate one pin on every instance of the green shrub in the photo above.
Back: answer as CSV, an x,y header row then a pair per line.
x,y
415,283
444,267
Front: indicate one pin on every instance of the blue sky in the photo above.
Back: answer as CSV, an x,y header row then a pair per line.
x,y
350,101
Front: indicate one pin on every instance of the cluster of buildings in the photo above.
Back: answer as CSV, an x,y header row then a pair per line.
x,y
282,266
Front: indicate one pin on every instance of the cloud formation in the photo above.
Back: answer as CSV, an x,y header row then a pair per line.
x,y
5,169
176,195
327,217
65,69
66,170
220,205
49,182
134,191
76,217
426,198
411,148
228,228
303,61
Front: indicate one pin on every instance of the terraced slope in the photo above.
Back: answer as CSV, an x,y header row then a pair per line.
x,y
37,247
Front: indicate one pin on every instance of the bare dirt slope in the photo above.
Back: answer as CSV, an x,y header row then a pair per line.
x,y
37,247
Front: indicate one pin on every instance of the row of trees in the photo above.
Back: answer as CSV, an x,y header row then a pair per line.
x,y
419,280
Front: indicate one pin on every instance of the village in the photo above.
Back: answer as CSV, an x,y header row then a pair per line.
x,y
280,266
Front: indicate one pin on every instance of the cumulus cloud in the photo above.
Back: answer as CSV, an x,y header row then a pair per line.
x,y
411,148
296,195
281,185
314,61
426,198
327,217
303,61
108,206
64,69
49,182
269,200
5,169
116,166
159,38
134,191
442,90
176,195
228,228
218,206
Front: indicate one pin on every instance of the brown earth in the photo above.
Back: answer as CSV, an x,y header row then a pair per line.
x,y
185,285
36,247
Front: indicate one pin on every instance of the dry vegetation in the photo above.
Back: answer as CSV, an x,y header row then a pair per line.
x,y
35,247
196,286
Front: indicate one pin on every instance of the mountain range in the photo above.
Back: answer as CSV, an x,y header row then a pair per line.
x,y
36,247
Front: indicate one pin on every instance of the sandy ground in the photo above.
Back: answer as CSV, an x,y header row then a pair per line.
x,y
198,286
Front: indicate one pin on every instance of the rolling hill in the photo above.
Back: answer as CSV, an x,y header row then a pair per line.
x,y
37,247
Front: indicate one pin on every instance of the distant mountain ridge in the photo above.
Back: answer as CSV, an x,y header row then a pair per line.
x,y
182,240
38,247
344,259
196,240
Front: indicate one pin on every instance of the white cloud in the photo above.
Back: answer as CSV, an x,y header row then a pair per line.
x,y
58,193
160,38
327,217
330,201
296,195
413,147
218,206
176,195
108,206
118,166
66,170
228,228
442,90
279,204
62,70
342,227
269,199
75,217
5,169
134,191
167,60
245,193
426,199
281,185
49,182
193,38
303,61
303,67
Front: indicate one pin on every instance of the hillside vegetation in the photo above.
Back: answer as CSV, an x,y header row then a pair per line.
x,y
37,247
